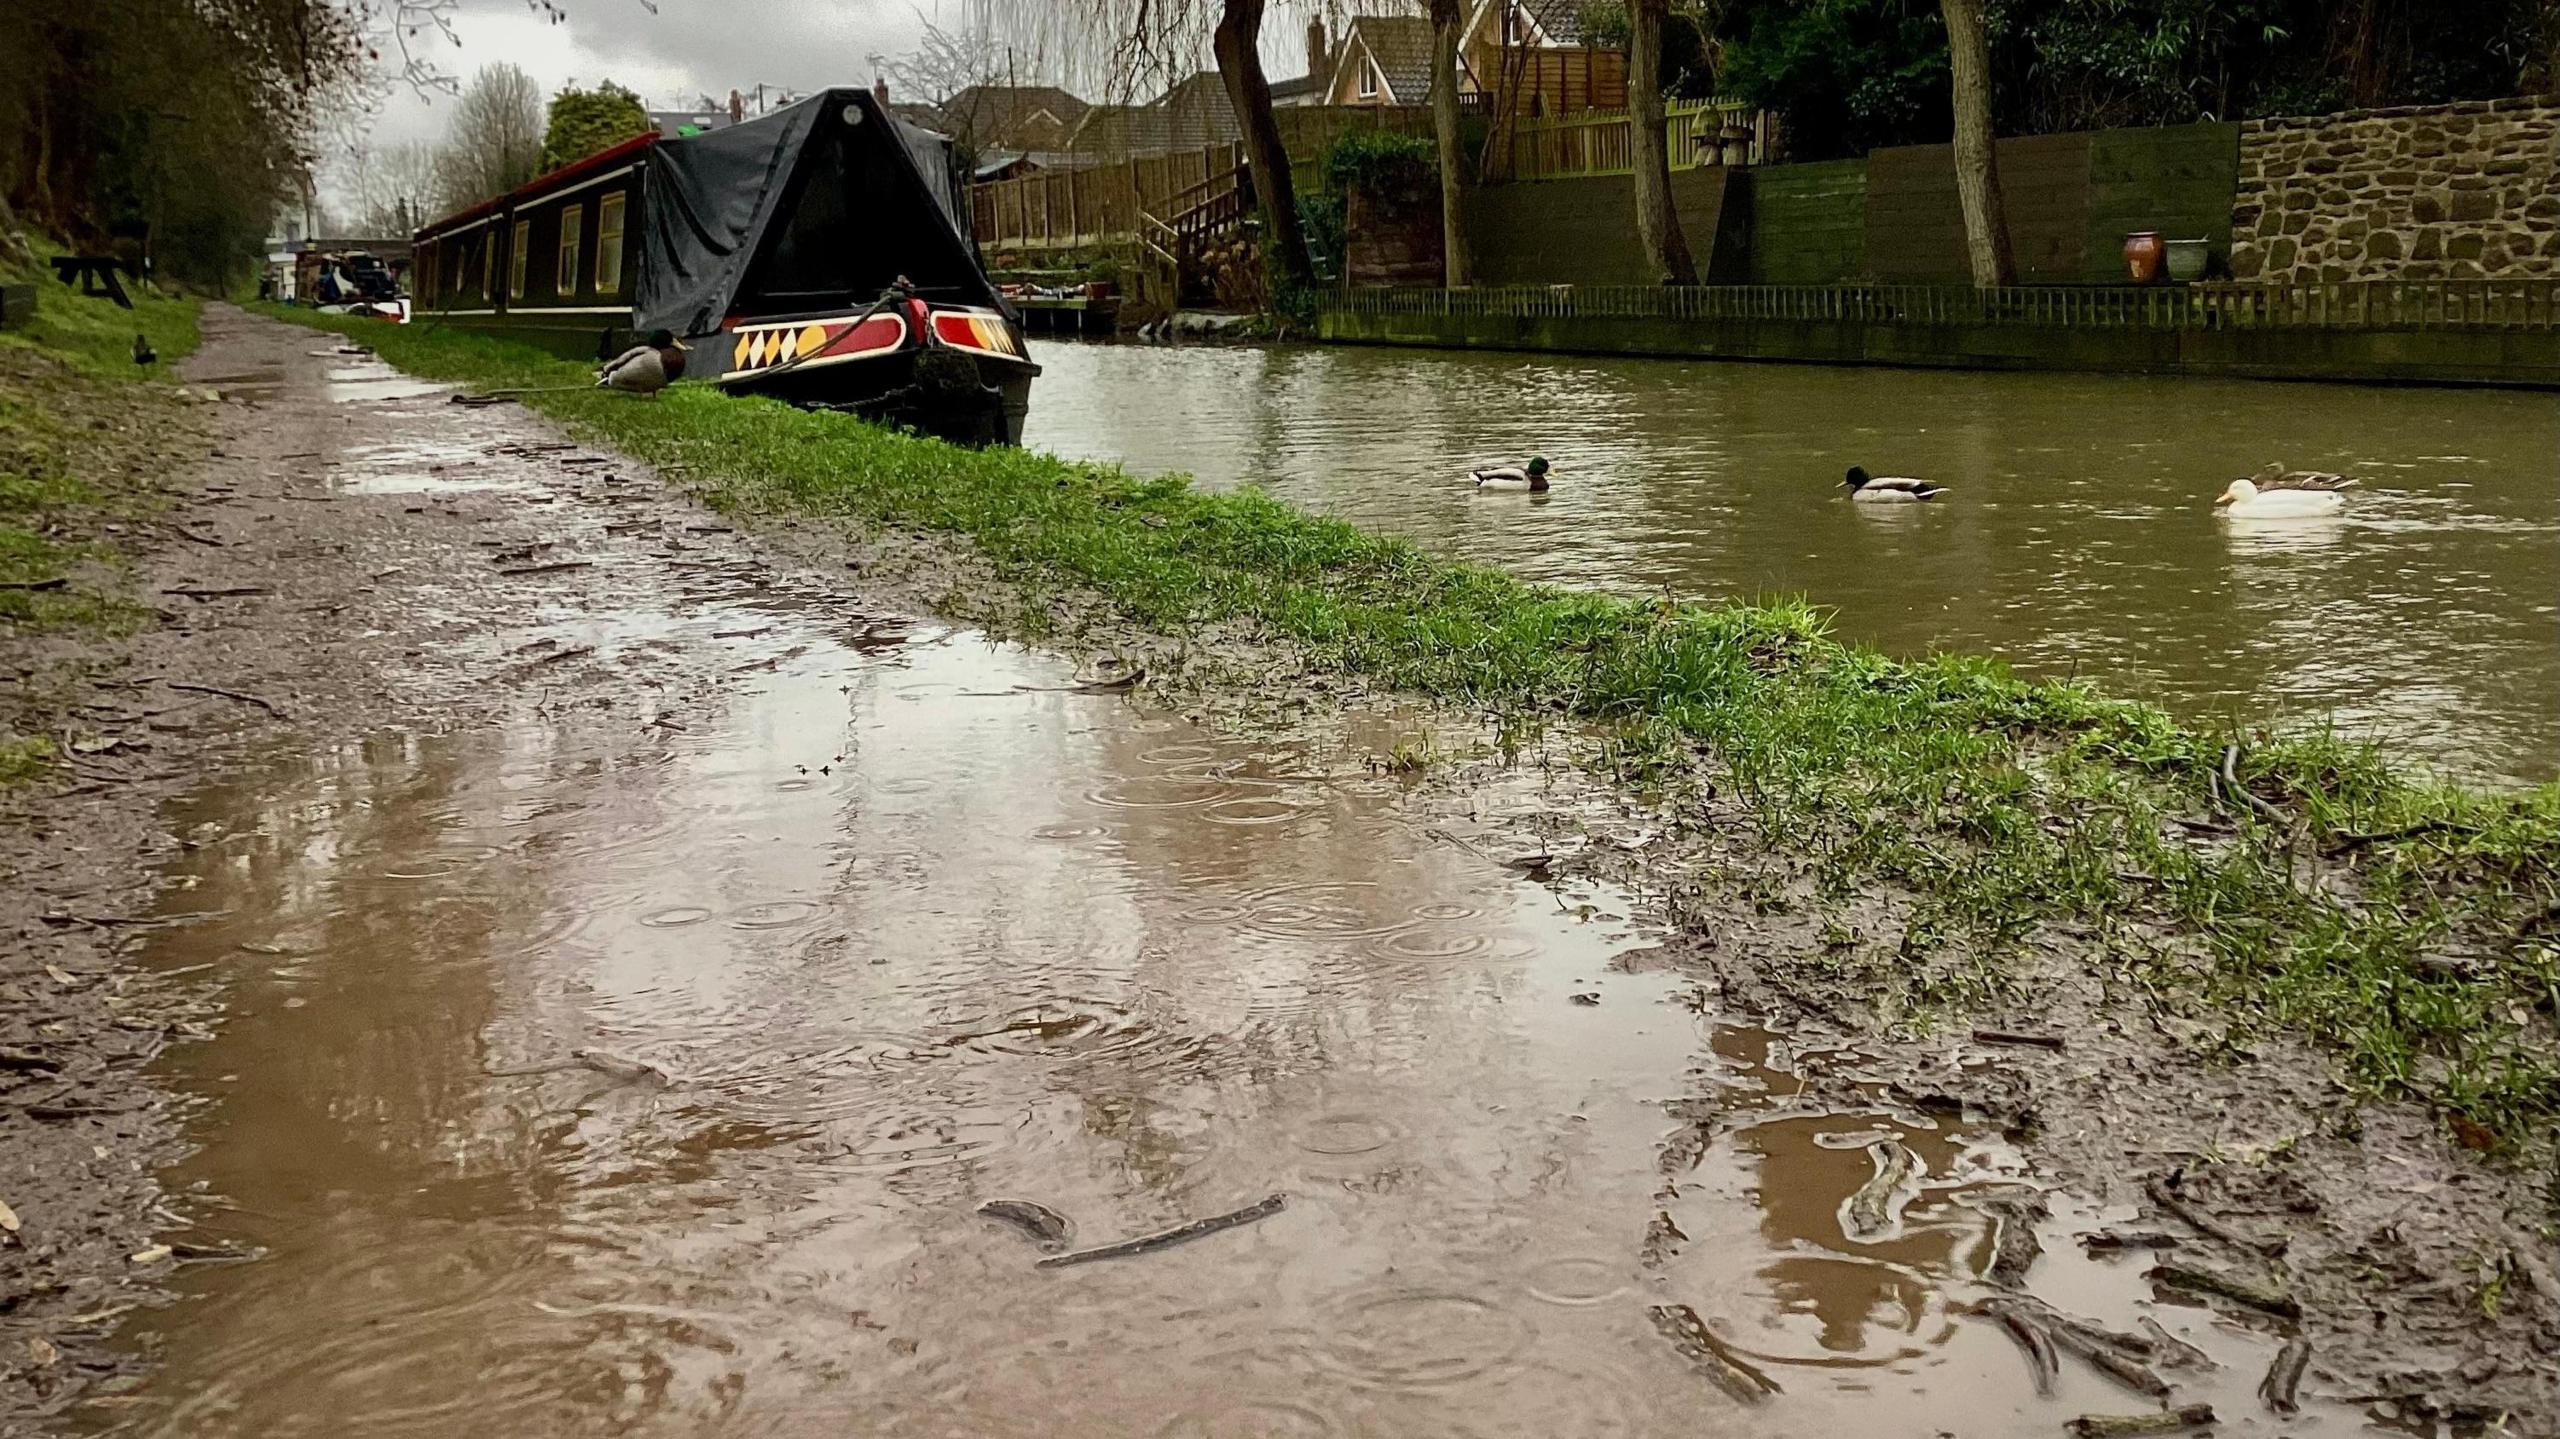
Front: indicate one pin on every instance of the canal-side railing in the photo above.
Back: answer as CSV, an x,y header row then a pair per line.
x,y
2351,304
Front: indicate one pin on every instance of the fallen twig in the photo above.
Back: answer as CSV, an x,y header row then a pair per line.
x,y
196,535
54,583
2115,1426
1712,1356
1047,1227
553,568
247,699
217,592
2173,1351
2284,1376
1262,1208
2109,1241
2009,1036
2342,843
2031,1337
2017,1247
1875,1211
2233,1287
2205,1224
2230,759
556,656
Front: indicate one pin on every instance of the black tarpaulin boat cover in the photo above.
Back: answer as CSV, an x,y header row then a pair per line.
x,y
815,208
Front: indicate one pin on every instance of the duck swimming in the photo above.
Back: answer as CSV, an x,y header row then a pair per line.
x,y
2276,492
646,368
1869,489
1532,478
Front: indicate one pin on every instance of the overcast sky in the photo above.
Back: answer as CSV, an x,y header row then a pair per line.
x,y
689,48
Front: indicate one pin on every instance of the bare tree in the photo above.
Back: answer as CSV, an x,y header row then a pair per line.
x,y
1458,266
1657,223
1986,219
493,143
387,191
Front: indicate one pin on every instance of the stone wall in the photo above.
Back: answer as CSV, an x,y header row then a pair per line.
x,y
2419,193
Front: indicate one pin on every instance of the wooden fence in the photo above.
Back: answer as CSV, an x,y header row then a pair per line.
x,y
1102,203
2348,304
1602,142
1093,205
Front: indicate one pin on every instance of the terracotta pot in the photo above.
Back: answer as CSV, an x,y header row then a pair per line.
x,y
1097,289
2142,256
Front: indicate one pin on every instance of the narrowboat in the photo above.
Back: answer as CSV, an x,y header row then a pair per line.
x,y
820,254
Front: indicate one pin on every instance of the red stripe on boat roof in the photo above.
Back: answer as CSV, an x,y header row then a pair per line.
x,y
604,159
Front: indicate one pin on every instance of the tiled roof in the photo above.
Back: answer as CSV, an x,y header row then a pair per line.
x,y
1561,20
1401,46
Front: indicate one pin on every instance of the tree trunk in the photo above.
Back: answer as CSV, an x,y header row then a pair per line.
x,y
1657,224
1986,219
13,246
1238,44
1458,264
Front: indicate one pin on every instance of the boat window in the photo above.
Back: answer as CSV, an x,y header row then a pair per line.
x,y
572,220
488,264
519,258
609,246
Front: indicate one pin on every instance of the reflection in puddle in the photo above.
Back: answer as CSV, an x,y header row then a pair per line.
x,y
592,1078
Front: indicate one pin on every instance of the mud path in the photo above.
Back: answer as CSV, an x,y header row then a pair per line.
x,y
638,957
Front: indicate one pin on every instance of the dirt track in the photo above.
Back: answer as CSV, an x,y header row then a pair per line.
x,y
366,559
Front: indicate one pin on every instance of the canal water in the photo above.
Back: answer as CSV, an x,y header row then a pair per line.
x,y
2078,538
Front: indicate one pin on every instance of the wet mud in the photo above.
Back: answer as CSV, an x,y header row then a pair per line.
x,y
616,1006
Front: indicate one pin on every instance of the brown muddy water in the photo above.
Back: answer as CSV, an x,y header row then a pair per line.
x,y
2078,540
905,923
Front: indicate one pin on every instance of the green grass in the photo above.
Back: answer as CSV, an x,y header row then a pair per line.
x,y
87,438
2398,921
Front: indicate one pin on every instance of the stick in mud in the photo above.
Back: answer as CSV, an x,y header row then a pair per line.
x,y
2017,1247
2032,1338
2012,1036
2115,1426
2284,1376
2175,1352
2233,1287
1047,1227
2108,1241
1875,1211
2205,1224
1712,1356
1262,1208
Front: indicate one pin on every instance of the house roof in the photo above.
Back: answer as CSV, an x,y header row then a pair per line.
x,y
1003,112
1559,20
1401,47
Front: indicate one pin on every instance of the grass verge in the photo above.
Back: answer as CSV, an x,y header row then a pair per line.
x,y
2410,926
87,438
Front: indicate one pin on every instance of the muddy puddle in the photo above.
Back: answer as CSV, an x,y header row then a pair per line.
x,y
903,922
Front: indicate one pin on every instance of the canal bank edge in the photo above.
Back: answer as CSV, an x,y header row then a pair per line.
x,y
2487,355
2410,927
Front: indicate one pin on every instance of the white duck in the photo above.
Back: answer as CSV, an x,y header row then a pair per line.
x,y
1869,489
2278,493
1532,477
